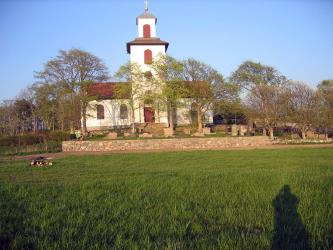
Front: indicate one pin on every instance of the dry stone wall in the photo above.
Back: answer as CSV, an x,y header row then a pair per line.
x,y
165,144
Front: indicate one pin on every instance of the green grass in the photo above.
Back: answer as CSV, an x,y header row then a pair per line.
x,y
258,199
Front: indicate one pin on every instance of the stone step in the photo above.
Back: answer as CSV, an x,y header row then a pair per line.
x,y
157,129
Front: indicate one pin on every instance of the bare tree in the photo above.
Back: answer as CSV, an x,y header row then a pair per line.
x,y
302,104
8,119
324,106
264,102
71,70
261,83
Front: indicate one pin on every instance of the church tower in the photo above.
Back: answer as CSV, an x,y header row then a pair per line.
x,y
147,45
143,51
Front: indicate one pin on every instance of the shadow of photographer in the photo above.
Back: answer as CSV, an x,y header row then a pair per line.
x,y
289,231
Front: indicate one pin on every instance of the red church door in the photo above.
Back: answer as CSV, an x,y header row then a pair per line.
x,y
149,115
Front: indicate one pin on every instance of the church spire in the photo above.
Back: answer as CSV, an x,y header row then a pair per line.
x,y
146,5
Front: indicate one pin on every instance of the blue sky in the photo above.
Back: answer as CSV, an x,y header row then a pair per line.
x,y
295,36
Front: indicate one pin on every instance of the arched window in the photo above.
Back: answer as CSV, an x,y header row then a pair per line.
x,y
148,56
100,112
146,31
123,111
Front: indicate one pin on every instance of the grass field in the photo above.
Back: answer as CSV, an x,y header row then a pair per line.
x,y
258,199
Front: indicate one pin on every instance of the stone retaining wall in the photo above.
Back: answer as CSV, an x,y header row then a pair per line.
x,y
165,144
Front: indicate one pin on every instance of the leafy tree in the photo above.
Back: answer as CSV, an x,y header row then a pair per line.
x,y
262,84
71,70
228,103
204,86
130,73
168,76
45,103
23,110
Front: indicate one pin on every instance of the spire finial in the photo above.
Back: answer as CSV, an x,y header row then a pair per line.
x,y
146,5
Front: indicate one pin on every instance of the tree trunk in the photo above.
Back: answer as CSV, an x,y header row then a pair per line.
x,y
71,122
271,133
34,121
264,132
303,133
171,125
84,120
133,119
71,126
326,134
199,113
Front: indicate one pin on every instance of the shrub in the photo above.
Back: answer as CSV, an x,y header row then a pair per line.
x,y
31,139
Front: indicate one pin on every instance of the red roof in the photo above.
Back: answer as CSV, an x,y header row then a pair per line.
x,y
108,90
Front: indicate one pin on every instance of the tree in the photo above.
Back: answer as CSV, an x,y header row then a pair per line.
x,y
23,110
204,86
264,103
302,104
324,106
167,76
8,119
130,73
45,100
71,70
228,102
262,84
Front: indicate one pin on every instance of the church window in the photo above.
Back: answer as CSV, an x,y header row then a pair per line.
x,y
146,31
123,111
148,56
100,112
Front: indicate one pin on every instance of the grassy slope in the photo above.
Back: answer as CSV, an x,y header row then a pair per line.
x,y
158,200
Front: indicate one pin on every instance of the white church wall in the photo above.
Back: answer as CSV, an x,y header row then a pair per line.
x,y
151,22
183,113
111,115
183,116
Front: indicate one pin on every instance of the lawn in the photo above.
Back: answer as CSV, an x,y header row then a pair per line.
x,y
256,199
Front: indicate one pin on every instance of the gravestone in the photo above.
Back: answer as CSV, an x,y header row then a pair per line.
x,y
146,135
187,131
168,132
234,130
112,136
206,131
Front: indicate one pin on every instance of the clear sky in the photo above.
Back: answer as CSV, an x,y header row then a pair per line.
x,y
295,36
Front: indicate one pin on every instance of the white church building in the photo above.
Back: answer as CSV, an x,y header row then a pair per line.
x,y
109,112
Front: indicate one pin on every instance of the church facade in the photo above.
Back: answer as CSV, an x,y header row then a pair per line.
x,y
109,111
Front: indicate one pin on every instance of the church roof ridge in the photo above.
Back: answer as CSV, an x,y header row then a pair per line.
x,y
147,14
147,41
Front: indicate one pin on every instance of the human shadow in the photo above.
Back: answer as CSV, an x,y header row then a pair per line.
x,y
289,231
